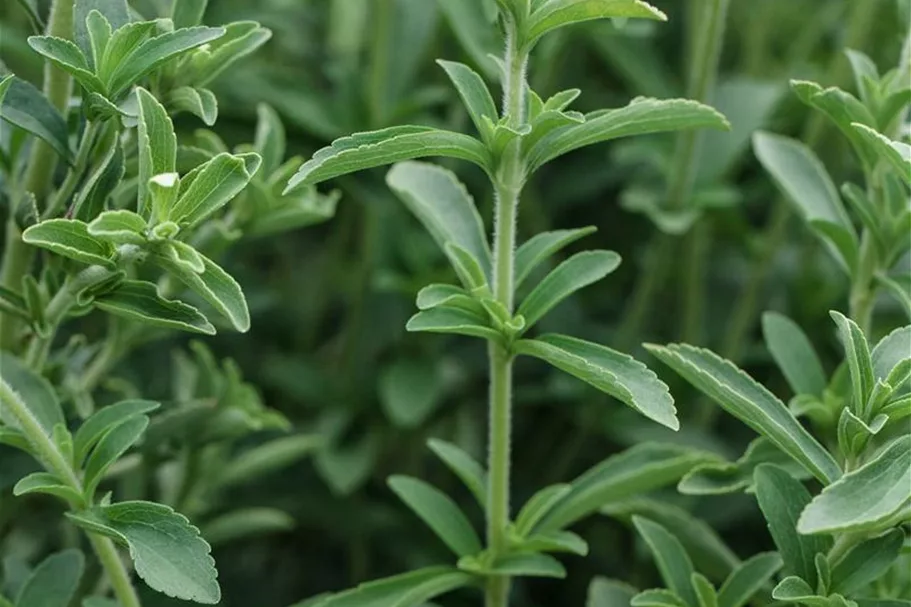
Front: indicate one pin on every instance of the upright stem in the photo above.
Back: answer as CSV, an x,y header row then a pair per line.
x,y
508,185
17,256
55,462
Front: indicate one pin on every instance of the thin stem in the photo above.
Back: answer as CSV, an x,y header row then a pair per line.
x,y
55,462
17,256
509,182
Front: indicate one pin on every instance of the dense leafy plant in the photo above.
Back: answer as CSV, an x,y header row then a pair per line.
x,y
130,227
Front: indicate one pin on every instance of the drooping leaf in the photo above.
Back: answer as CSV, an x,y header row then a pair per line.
x,y
642,116
439,512
26,107
110,448
214,185
751,403
469,471
577,272
378,148
642,468
781,499
216,286
866,497
35,392
541,246
553,14
54,582
794,354
674,564
139,300
154,52
197,101
442,204
168,553
866,562
615,373
104,420
748,579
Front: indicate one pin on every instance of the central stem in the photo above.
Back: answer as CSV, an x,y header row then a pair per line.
x,y
508,184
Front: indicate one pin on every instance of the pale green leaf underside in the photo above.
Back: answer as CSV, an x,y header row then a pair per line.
x,y
615,373
751,403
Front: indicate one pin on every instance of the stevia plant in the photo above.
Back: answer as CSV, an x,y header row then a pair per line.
x,y
513,143
846,543
130,230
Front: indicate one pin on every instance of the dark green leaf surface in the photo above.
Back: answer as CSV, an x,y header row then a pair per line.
x,y
26,107
54,581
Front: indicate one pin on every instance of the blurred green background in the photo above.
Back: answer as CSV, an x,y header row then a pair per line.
x,y
328,347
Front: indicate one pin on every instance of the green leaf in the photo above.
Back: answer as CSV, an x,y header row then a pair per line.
x,y
554,14
538,506
215,184
896,153
642,116
577,272
467,267
674,564
26,107
553,541
840,241
865,498
187,13
796,590
748,579
781,499
154,52
36,393
378,148
44,482
157,146
241,39
215,286
709,553
443,206
99,186
615,373
526,564
471,23
867,562
450,296
270,139
801,176
541,246
469,471
54,582
642,468
657,597
5,83
453,320
71,239
604,592
139,300
168,553
705,591
246,523
438,512
744,398
119,227
109,14
269,457
197,101
892,350
794,354
409,391
473,91
105,420
31,10
67,56
860,364
411,589
110,448
124,41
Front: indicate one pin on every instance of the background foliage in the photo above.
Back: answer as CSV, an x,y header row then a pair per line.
x,y
328,303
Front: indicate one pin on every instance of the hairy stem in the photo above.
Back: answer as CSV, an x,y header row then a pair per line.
x,y
509,182
55,462
17,256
